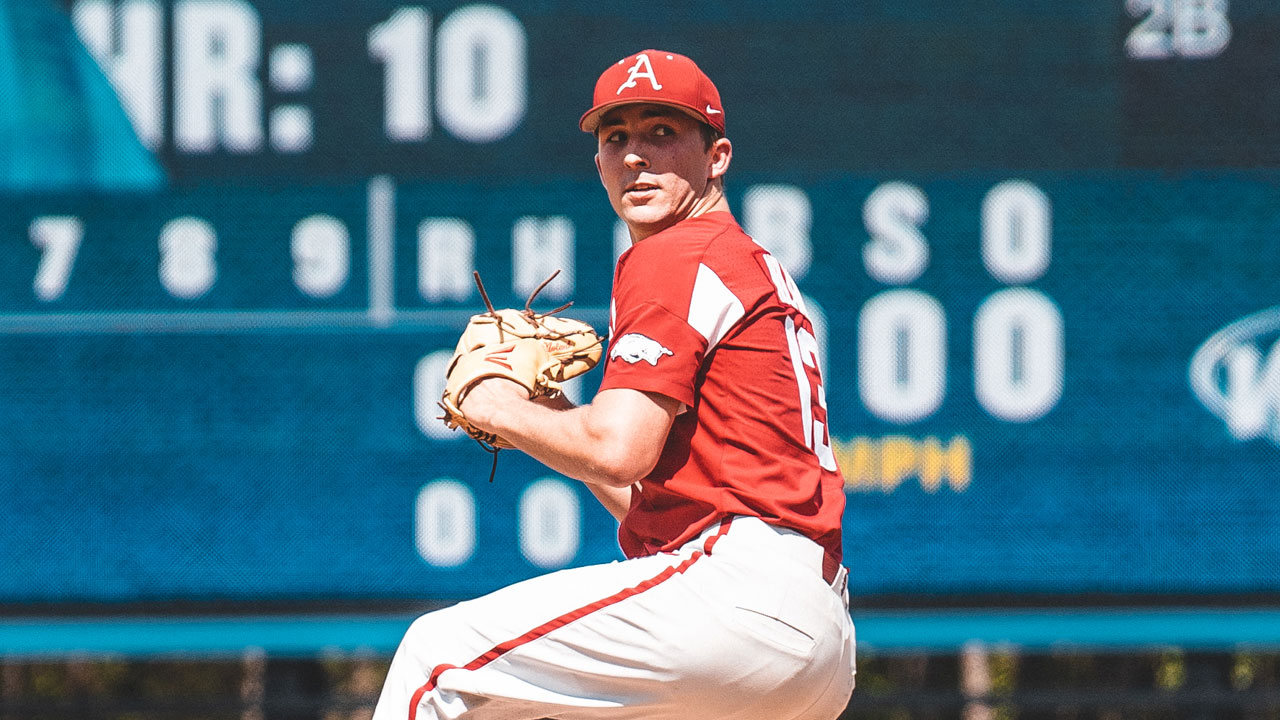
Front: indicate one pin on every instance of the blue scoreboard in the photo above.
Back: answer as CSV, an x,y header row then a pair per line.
x,y
1041,242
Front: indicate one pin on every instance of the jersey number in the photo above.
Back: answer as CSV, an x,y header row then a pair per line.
x,y
803,347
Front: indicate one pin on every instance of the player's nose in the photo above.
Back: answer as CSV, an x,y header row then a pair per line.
x,y
635,161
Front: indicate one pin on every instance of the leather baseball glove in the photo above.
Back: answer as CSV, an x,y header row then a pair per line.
x,y
536,350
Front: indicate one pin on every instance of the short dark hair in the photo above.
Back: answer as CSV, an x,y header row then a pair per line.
x,y
709,135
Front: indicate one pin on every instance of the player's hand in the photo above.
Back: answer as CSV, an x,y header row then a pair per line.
x,y
489,399
533,351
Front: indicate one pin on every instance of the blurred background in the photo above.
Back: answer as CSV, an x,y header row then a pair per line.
x,y
1040,240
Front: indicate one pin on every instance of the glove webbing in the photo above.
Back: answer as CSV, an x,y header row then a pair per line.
x,y
528,309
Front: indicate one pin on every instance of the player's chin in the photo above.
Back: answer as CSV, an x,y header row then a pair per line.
x,y
647,216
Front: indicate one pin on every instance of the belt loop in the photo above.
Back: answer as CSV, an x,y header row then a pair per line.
x,y
841,579
841,585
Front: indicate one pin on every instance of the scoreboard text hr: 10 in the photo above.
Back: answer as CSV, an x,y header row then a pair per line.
x,y
477,56
220,74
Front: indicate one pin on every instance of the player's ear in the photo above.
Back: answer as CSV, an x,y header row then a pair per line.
x,y
599,172
719,157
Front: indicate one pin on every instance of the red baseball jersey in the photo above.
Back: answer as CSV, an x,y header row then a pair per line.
x,y
704,315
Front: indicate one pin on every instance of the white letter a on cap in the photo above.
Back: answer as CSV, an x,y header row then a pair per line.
x,y
642,61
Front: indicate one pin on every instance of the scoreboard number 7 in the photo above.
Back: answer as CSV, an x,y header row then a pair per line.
x,y
58,239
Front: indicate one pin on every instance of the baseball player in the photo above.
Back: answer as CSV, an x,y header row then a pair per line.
x,y
708,441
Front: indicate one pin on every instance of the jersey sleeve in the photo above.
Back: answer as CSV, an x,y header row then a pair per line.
x,y
654,350
671,309
652,345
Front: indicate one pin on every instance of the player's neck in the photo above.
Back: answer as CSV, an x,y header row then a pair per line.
x,y
713,200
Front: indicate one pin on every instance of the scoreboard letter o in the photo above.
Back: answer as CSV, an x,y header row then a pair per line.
x,y
1017,232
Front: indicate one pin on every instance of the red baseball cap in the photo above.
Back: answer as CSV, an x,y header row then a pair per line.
x,y
655,76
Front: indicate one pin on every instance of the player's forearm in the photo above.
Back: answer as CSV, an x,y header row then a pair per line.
x,y
613,442
570,442
616,500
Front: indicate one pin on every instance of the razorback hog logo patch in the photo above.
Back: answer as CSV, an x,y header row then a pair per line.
x,y
634,347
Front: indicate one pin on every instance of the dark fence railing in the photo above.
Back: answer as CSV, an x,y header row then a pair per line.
x,y
976,683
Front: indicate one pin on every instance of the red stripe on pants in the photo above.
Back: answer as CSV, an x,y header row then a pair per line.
x,y
503,648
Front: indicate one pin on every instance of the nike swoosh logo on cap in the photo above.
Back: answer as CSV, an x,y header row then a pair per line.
x,y
712,111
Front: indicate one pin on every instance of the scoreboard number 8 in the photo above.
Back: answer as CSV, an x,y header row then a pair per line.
x,y
188,267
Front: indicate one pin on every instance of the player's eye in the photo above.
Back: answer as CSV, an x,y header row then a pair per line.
x,y
617,136
663,130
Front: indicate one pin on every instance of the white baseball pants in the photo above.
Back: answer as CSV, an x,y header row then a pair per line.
x,y
738,624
